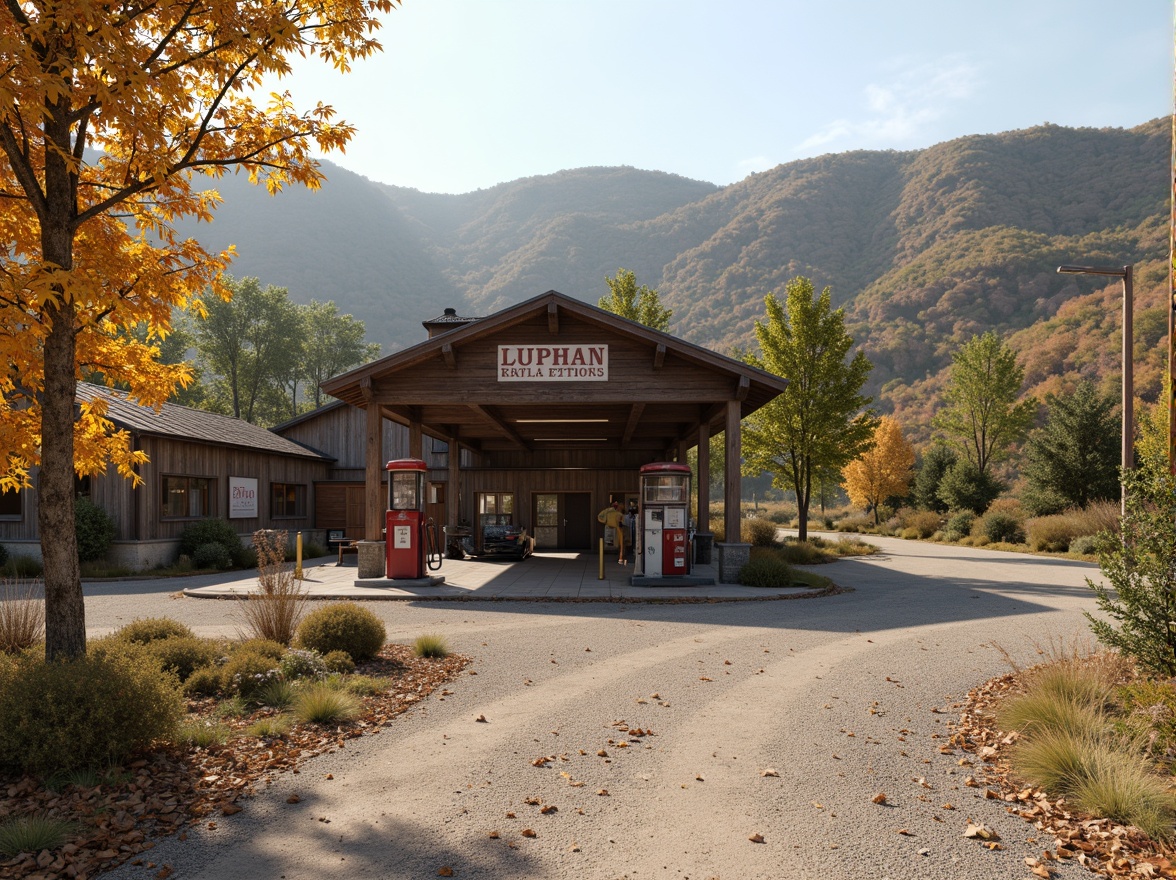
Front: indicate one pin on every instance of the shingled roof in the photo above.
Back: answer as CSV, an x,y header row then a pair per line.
x,y
193,425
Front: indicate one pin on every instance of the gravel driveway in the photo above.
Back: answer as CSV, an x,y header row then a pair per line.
x,y
843,697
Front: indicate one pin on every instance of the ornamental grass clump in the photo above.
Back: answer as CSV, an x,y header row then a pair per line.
x,y
22,614
343,626
431,645
33,834
274,611
202,734
321,703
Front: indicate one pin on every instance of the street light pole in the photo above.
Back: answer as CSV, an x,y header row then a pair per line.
x,y
1128,454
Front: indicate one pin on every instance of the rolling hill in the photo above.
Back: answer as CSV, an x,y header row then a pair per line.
x,y
922,248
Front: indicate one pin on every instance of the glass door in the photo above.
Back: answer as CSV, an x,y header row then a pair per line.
x,y
547,521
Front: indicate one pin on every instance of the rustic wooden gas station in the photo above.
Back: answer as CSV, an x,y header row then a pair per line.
x,y
548,411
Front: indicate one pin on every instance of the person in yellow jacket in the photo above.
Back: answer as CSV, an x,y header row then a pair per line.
x,y
613,518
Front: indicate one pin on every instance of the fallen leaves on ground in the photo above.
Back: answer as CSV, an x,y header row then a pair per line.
x,y
161,792
1103,846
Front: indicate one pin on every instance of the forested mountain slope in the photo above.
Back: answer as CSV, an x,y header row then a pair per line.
x,y
924,248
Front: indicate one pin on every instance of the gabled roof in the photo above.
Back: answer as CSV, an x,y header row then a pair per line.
x,y
346,386
657,392
193,425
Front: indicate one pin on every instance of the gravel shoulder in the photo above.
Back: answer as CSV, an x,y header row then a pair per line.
x,y
841,698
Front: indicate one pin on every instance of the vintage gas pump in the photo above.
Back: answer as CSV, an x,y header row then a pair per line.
x,y
665,504
409,538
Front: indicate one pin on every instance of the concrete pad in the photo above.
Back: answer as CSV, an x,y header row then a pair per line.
x,y
542,577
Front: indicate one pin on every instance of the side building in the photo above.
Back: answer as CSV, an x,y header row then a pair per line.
x,y
201,465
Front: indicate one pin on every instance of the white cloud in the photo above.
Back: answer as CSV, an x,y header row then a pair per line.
x,y
901,110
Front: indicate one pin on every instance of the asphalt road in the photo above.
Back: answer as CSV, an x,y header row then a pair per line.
x,y
843,697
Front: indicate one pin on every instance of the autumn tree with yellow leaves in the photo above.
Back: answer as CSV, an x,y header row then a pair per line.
x,y
107,109
882,471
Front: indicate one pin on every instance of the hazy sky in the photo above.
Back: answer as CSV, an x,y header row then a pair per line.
x,y
471,93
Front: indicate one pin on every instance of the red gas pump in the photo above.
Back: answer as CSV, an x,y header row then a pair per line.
x,y
665,503
409,537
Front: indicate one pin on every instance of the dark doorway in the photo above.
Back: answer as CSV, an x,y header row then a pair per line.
x,y
563,520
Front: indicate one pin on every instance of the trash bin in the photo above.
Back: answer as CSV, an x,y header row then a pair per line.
x,y
703,542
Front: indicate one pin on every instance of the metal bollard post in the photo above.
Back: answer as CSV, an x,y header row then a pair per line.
x,y
600,573
298,557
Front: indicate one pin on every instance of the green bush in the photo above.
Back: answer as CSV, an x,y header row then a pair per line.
x,y
313,550
960,522
759,532
997,525
965,487
209,531
86,712
802,552
212,556
184,656
95,530
339,662
265,647
206,681
244,557
343,626
1088,545
144,630
247,672
766,571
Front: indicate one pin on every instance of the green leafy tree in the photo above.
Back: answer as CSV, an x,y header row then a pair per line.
x,y
251,342
1139,598
1073,458
981,416
819,424
334,344
937,461
641,304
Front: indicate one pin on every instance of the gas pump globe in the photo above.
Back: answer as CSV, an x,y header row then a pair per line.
x,y
665,507
407,533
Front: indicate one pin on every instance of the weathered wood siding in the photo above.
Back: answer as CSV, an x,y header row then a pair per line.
x,y
525,484
339,432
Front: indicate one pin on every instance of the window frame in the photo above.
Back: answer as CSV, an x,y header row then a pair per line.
x,y
18,516
300,500
190,479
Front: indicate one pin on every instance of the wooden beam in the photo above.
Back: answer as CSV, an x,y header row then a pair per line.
x,y
704,477
449,356
553,319
732,490
742,389
374,500
493,418
659,356
366,388
630,426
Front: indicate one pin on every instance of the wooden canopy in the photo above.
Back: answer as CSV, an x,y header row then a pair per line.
x,y
474,386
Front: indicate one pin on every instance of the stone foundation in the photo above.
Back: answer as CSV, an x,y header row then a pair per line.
x,y
732,557
371,559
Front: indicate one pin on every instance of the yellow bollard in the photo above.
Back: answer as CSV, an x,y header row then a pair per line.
x,y
298,557
600,574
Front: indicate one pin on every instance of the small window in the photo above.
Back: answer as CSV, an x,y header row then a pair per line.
x,y
187,497
10,504
287,500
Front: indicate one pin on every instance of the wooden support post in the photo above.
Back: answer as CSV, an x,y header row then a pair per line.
x,y
416,442
732,488
704,477
683,448
453,490
374,501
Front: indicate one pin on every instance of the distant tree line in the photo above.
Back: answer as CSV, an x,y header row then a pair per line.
x,y
260,356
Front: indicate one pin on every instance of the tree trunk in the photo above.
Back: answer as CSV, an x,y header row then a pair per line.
x,y
804,495
65,612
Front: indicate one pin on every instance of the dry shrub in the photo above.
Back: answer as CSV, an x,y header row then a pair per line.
x,y
22,615
759,532
1057,532
274,611
924,522
859,522
1010,506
